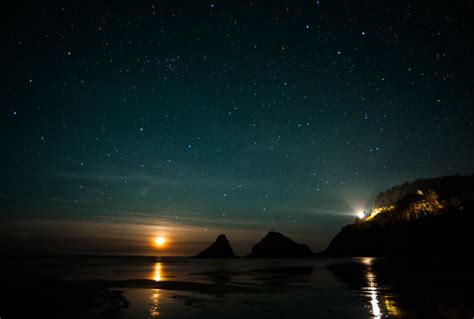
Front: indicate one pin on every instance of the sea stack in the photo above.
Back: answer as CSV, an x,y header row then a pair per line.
x,y
276,245
219,249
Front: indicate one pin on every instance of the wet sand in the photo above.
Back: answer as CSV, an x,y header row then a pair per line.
x,y
184,288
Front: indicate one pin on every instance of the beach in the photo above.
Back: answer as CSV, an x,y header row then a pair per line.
x,y
174,287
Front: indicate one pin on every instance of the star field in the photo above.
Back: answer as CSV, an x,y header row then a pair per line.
x,y
245,116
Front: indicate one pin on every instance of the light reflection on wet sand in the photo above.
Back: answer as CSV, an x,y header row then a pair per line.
x,y
376,293
156,275
155,303
336,288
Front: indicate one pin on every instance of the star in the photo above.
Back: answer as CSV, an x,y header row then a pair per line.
x,y
233,116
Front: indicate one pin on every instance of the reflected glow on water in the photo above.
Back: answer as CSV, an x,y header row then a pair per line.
x,y
157,275
374,300
391,307
157,272
155,304
375,306
374,293
372,288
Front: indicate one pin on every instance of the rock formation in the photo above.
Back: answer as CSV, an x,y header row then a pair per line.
x,y
276,245
219,249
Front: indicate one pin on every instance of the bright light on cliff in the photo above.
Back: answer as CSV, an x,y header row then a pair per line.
x,y
360,214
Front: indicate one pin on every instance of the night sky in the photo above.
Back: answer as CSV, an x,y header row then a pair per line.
x,y
130,119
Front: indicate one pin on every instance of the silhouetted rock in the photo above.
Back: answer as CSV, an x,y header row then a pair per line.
x,y
219,249
276,245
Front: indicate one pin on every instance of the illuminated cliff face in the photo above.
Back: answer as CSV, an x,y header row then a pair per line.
x,y
412,206
379,210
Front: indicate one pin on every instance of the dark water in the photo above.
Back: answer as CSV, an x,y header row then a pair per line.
x,y
279,288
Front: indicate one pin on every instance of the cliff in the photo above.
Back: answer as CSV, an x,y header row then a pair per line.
x,y
433,236
413,221
446,187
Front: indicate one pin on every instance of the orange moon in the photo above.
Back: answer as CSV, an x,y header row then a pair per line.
x,y
160,241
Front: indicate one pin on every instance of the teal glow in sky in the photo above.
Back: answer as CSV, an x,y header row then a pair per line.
x,y
198,118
